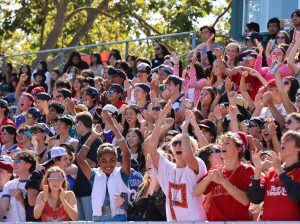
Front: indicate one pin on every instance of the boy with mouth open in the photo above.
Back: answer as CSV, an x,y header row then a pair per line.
x,y
109,182
279,189
178,180
228,183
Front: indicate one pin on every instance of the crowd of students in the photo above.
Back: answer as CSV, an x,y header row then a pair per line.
x,y
154,140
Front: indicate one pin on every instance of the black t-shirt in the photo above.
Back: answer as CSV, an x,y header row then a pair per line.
x,y
34,182
157,62
82,186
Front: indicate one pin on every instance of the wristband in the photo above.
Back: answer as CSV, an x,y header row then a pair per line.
x,y
85,146
121,139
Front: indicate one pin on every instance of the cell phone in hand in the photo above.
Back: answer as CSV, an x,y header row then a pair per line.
x,y
125,197
274,67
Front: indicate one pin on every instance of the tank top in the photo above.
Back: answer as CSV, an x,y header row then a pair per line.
x,y
50,215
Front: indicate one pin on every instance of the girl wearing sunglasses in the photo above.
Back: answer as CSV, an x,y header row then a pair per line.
x,y
55,203
178,180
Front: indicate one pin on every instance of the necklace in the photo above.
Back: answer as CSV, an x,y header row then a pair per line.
x,y
176,187
233,172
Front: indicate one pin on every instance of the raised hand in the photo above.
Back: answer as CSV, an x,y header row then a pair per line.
x,y
107,119
228,84
175,58
166,110
256,159
233,111
23,78
259,46
267,99
187,120
62,194
218,52
140,118
217,113
275,162
45,193
258,101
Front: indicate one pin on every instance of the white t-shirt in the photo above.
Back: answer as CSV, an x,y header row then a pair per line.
x,y
16,211
265,111
178,184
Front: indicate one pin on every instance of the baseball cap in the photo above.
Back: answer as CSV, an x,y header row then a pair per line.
x,y
54,153
38,89
81,107
248,54
111,108
43,96
116,72
208,124
117,88
92,91
144,67
34,111
167,69
65,92
272,82
257,121
29,96
173,78
3,104
143,86
66,118
6,163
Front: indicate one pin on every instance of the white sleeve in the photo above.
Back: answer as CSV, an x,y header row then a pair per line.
x,y
6,190
202,171
163,172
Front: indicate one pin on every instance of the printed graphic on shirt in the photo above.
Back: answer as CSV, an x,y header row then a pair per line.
x,y
177,197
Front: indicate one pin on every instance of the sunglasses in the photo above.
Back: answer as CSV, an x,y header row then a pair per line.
x,y
157,48
175,143
156,108
280,37
248,58
111,91
252,125
55,178
288,122
286,82
215,150
19,161
29,116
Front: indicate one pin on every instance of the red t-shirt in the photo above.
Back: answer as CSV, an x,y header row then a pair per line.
x,y
277,205
119,104
252,84
223,207
5,121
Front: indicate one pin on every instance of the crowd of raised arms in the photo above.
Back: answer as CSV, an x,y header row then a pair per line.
x,y
153,140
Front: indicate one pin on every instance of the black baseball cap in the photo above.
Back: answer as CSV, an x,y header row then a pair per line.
x,y
117,88
173,78
116,72
208,124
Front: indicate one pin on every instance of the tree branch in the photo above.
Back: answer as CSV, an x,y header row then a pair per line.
x,y
88,9
144,24
222,14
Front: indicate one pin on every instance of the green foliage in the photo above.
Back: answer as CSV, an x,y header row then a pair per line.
x,y
21,22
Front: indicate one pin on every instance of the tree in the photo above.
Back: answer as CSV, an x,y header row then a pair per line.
x,y
34,25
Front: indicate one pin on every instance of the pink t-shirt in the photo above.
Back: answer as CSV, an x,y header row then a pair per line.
x,y
284,69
